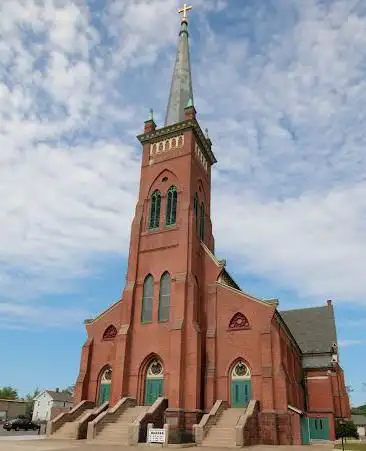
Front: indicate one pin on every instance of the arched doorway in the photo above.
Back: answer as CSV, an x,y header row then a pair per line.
x,y
154,382
105,386
241,390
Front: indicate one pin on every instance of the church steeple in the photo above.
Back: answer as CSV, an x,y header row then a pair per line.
x,y
181,92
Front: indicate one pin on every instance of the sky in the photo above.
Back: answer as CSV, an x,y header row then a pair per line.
x,y
281,86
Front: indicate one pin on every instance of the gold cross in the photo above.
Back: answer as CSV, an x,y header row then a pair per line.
x,y
184,10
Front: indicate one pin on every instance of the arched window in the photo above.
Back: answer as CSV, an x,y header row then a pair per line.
x,y
195,208
171,206
164,297
155,210
147,299
110,333
202,221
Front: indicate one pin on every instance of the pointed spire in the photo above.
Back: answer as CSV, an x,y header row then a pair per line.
x,y
190,103
181,92
150,123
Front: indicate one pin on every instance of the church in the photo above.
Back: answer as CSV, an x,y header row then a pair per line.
x,y
185,346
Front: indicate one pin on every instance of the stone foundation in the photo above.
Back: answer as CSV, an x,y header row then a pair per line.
x,y
181,423
284,429
275,428
251,428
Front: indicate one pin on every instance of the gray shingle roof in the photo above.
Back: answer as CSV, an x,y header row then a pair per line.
x,y
313,328
359,420
60,396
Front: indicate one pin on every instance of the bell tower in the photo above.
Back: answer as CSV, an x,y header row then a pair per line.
x,y
162,313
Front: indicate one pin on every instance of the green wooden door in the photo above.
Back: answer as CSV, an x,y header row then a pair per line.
x,y
240,393
305,433
319,428
104,393
153,390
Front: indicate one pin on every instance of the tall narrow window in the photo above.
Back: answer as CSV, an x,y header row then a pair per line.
x,y
155,210
195,208
202,221
164,297
147,299
171,206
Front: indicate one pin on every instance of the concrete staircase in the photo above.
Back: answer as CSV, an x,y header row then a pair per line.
x,y
116,430
70,429
222,434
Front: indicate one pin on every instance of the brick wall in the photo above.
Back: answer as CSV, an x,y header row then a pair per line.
x,y
295,428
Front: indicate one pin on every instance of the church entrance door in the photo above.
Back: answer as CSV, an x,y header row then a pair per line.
x,y
319,428
154,383
305,432
241,390
105,386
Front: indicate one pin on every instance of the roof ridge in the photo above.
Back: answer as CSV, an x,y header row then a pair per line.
x,y
305,308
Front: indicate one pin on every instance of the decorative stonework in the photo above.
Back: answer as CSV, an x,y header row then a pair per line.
x,y
181,127
110,333
106,376
167,145
155,370
240,371
201,157
238,322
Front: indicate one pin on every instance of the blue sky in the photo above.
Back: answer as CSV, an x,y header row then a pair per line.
x,y
281,86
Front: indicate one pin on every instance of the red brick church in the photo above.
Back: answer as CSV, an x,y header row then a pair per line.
x,y
184,330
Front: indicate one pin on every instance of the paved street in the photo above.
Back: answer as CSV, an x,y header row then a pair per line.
x,y
66,445
14,434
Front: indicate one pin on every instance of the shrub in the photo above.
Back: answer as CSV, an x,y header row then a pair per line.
x,y
346,429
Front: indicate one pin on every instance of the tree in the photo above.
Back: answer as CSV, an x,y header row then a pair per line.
x,y
70,389
8,393
360,410
346,429
29,400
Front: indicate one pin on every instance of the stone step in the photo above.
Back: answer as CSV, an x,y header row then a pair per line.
x,y
221,431
219,445
111,436
113,439
113,428
116,430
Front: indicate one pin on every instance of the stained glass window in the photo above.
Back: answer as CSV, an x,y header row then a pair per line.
x,y
171,206
147,299
164,297
155,210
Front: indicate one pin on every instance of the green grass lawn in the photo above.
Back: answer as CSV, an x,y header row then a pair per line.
x,y
352,446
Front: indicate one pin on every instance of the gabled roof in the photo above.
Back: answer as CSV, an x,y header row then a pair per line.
x,y
313,328
58,396
359,420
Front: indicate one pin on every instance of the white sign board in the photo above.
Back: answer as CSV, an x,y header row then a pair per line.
x,y
156,436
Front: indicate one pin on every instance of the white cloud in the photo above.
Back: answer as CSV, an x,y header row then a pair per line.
x,y
348,343
282,92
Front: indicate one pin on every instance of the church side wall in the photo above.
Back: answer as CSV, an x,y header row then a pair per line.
x,y
253,344
320,395
327,392
292,371
102,353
